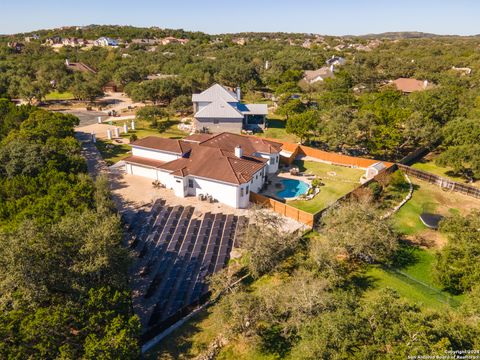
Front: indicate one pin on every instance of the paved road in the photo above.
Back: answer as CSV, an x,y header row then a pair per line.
x,y
87,117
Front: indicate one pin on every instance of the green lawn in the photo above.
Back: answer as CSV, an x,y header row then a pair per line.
x,y
429,198
55,95
143,129
414,281
431,167
345,180
412,291
111,152
276,130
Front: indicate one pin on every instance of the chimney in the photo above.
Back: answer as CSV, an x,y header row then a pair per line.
x,y
67,62
425,84
239,93
332,68
238,151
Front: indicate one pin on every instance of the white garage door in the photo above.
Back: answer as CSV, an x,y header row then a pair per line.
x,y
144,171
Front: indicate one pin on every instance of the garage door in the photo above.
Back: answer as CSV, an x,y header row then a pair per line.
x,y
144,171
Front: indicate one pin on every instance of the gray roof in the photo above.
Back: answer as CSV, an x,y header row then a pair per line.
x,y
323,72
219,109
378,166
255,109
215,92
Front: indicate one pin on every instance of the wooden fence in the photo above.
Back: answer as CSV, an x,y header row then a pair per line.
x,y
325,156
442,182
283,209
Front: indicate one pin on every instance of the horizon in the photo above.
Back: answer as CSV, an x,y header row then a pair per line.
x,y
351,18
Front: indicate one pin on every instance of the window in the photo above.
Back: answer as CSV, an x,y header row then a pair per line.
x,y
215,121
241,192
190,183
248,189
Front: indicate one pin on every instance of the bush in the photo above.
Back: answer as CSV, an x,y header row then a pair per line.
x,y
133,138
397,182
376,190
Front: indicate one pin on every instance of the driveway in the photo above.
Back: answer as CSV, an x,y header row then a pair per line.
x,y
87,117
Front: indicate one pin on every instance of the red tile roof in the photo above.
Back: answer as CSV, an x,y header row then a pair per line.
x,y
213,158
170,145
410,85
143,161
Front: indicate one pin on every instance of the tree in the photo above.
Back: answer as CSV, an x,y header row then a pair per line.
x,y
456,267
461,142
266,243
303,125
291,107
355,232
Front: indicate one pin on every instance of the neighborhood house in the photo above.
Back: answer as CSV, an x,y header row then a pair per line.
x,y
218,109
225,166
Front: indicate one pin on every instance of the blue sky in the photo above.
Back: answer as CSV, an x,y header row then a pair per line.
x,y
221,16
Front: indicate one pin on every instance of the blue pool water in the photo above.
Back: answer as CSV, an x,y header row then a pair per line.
x,y
293,188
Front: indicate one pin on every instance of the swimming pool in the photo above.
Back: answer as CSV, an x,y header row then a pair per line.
x,y
293,188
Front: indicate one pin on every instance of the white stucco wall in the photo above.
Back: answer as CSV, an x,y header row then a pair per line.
x,y
237,196
273,161
154,154
223,192
141,171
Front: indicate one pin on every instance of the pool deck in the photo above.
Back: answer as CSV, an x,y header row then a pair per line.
x,y
277,185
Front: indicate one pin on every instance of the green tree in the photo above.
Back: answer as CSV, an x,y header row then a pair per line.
x,y
303,125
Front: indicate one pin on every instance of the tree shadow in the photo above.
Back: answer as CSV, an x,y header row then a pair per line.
x,y
276,124
405,256
363,282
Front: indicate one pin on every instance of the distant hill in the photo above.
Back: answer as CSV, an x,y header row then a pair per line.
x,y
404,35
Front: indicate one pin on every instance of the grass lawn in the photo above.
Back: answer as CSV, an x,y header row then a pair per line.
x,y
110,152
276,130
55,95
345,180
143,129
411,290
428,164
430,198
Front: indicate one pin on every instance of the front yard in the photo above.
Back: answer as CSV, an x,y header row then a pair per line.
x,y
338,180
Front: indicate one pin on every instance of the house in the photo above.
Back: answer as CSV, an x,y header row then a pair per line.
x,y
111,87
105,41
173,40
313,76
335,60
16,46
79,66
54,40
218,109
225,166
407,85
73,42
31,38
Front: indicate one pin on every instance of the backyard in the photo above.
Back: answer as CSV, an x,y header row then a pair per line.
x,y
414,280
338,180
428,164
276,130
